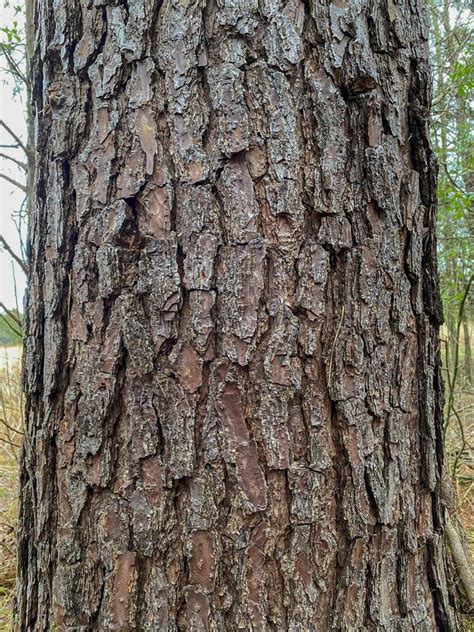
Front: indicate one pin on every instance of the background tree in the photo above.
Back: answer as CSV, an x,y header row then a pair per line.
x,y
14,159
453,64
232,363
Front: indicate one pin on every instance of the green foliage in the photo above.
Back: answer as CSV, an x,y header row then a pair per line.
x,y
13,32
453,140
13,43
10,329
452,46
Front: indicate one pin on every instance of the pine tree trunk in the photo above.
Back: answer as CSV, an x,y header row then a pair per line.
x,y
232,374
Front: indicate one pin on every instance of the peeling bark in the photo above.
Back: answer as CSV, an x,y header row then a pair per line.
x,y
231,367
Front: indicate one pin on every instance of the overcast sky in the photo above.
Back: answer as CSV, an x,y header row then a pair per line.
x,y
12,111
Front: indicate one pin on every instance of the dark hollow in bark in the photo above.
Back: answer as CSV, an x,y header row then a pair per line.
x,y
231,366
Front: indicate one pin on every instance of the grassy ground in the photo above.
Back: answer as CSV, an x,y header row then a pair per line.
x,y
462,461
10,428
459,434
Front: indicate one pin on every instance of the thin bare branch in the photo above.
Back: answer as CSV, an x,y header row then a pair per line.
x,y
14,68
14,256
451,179
11,314
22,165
12,327
14,182
7,425
8,442
14,136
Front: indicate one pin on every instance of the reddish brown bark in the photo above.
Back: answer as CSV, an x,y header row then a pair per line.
x,y
232,375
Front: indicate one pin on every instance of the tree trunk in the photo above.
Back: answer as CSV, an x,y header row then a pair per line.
x,y
232,375
467,346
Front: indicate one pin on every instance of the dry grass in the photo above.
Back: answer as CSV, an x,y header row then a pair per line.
x,y
461,462
459,443
11,423
459,436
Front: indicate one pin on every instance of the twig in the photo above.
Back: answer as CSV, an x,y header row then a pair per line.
x,y
5,440
464,443
334,345
22,165
15,289
451,410
10,427
11,315
461,561
14,182
15,331
18,260
11,327
5,546
451,179
14,136
14,68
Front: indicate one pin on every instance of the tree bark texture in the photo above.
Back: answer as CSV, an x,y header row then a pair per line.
x,y
231,365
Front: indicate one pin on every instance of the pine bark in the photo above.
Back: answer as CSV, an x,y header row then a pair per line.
x,y
231,367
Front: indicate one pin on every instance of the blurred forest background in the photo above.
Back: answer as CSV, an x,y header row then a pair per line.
x,y
452,47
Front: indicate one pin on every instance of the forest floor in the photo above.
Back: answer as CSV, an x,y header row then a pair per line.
x,y
459,436
11,423
11,406
464,475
